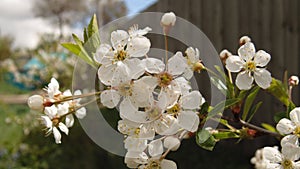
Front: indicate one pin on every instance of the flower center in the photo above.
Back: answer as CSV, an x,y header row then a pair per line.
x,y
164,79
121,55
55,121
153,165
287,164
250,66
125,90
297,131
174,110
137,131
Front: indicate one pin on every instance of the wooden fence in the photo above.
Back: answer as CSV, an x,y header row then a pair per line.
x,y
273,25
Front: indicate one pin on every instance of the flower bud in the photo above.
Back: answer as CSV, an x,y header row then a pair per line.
x,y
35,102
168,19
293,81
172,143
244,39
224,54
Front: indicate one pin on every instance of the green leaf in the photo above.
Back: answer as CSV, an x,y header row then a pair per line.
x,y
77,40
249,101
220,107
279,116
92,39
85,35
80,52
93,26
277,89
253,110
230,86
225,135
242,94
219,84
268,127
205,140
204,108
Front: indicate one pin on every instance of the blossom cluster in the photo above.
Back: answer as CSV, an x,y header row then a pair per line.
x,y
58,108
155,99
271,157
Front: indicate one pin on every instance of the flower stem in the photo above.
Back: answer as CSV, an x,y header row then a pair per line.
x,y
166,50
68,98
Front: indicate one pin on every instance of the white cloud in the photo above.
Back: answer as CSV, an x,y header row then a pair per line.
x,y
18,21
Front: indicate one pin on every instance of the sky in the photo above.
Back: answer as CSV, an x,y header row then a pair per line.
x,y
18,21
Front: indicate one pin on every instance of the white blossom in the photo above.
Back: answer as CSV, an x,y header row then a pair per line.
x,y
292,125
53,88
74,104
281,160
122,56
193,62
51,120
252,65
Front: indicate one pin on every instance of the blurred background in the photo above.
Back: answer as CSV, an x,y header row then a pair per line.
x,y
30,35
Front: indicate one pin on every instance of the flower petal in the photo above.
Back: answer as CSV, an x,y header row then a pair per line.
x,y
119,39
289,139
57,135
81,113
138,47
234,63
247,51
69,120
130,112
110,98
168,164
135,144
188,120
192,100
176,64
184,85
244,81
153,65
262,58
51,111
137,158
262,78
272,154
172,143
291,151
63,128
155,148
192,54
106,73
285,126
135,67
104,54
47,121
166,125
295,115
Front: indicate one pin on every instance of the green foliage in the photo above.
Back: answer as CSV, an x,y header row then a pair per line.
x,y
253,110
205,140
220,107
278,90
87,48
249,101
268,127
